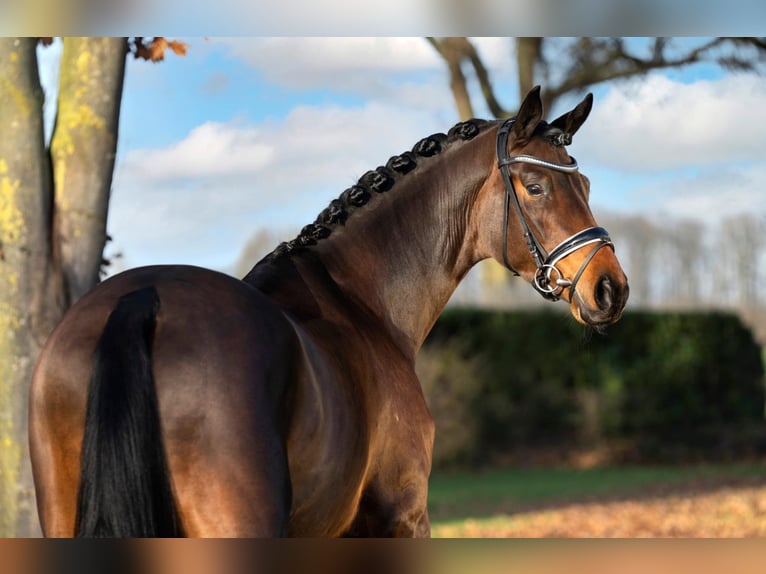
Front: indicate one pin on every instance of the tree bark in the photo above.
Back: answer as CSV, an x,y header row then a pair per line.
x,y
528,52
25,268
53,206
83,149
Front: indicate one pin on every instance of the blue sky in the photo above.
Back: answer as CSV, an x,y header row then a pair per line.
x,y
247,134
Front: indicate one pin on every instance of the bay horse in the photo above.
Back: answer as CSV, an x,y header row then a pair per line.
x,y
178,401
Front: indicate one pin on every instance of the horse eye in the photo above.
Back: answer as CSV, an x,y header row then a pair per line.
x,y
534,189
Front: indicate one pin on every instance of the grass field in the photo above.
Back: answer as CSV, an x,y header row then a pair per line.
x,y
633,501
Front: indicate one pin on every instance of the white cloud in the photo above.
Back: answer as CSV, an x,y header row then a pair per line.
x,y
400,71
210,150
715,194
655,123
333,62
320,142
498,54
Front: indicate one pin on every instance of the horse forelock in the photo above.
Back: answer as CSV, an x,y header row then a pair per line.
x,y
378,181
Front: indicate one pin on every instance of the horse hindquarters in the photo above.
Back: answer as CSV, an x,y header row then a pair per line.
x,y
215,370
124,488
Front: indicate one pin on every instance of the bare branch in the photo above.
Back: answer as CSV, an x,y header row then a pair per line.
x,y
595,61
482,75
453,50
590,61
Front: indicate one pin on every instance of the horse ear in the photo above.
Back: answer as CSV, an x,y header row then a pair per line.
x,y
530,114
570,122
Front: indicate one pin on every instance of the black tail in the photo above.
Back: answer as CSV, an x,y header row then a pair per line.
x,y
124,485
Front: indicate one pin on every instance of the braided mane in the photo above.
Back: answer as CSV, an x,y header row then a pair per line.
x,y
374,182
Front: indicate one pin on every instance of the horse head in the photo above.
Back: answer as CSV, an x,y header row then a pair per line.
x,y
548,234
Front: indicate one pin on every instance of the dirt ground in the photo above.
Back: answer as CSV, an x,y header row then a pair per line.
x,y
720,511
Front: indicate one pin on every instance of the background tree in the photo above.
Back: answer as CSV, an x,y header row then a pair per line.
x,y
53,208
571,65
743,238
639,236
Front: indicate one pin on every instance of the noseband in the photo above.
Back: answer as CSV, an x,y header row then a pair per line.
x,y
544,281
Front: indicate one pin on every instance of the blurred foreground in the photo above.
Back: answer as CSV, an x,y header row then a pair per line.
x,y
384,557
725,512
724,501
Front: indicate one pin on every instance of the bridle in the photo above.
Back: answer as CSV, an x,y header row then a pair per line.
x,y
546,262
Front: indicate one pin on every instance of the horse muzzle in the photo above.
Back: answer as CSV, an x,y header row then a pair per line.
x,y
605,304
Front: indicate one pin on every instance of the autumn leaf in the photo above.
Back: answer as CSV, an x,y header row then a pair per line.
x,y
154,50
179,48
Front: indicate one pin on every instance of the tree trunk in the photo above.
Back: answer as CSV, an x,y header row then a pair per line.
x,y
454,51
82,150
51,237
527,55
25,269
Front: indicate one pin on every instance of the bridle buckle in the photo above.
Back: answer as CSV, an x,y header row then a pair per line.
x,y
545,286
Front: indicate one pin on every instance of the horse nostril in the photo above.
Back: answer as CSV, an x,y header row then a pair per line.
x,y
604,293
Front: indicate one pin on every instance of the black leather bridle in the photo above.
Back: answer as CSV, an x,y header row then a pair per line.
x,y
549,287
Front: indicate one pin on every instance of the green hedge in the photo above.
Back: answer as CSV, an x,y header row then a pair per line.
x,y
656,387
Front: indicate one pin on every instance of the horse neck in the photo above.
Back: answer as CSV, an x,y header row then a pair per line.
x,y
403,255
